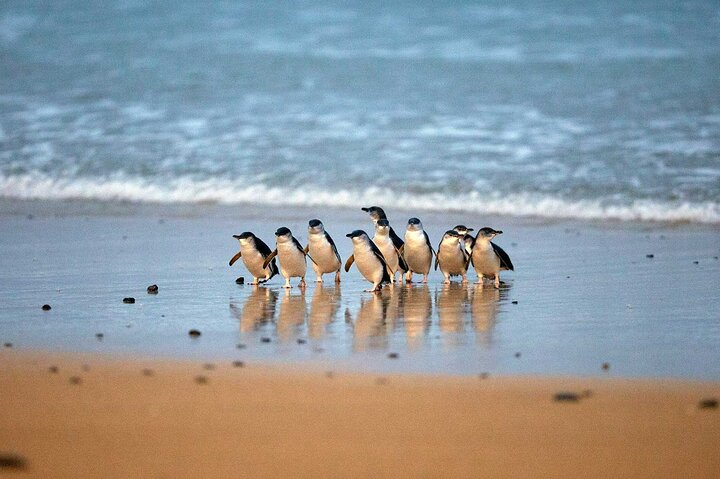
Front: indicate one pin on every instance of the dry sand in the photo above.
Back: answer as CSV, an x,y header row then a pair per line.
x,y
133,418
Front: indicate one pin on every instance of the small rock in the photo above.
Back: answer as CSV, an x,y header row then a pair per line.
x,y
605,366
75,380
238,364
566,397
194,333
301,341
329,374
514,302
393,355
484,375
696,262
99,336
265,339
201,379
650,256
46,307
708,403
129,300
517,355
12,462
8,345
241,346
152,289
240,280
53,369
148,372
587,393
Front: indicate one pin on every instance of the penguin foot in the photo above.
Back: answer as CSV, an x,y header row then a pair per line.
x,y
319,280
447,281
337,277
302,283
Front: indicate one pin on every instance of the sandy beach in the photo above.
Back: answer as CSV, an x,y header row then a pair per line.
x,y
89,416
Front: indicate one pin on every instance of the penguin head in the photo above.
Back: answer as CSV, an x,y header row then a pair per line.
x,y
462,229
245,237
487,233
382,227
283,234
414,224
357,236
315,226
375,212
451,236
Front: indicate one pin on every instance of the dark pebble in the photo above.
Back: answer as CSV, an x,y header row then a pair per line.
x,y
649,255
148,372
301,341
240,280
517,355
194,333
605,366
129,300
75,380
53,369
46,307
329,374
393,355
238,364
716,257
241,346
209,366
709,403
12,461
8,345
566,397
265,340
587,393
99,336
152,289
567,277
484,375
201,379
696,262
514,302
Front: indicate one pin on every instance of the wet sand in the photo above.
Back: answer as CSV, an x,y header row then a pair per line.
x,y
91,416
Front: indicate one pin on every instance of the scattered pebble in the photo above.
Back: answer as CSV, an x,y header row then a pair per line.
x,y
53,369
100,336
393,355
265,339
46,307
696,262
605,366
148,372
75,380
12,461
514,302
129,300
194,333
329,374
201,379
716,257
241,346
152,289
649,255
8,345
709,403
567,277
238,364
517,355
484,375
240,280
301,341
566,397
209,366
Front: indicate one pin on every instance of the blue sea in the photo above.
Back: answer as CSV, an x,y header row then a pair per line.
x,y
552,109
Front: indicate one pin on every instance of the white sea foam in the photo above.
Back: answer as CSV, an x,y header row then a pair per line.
x,y
188,190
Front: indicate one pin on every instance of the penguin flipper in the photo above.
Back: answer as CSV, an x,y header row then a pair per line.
x,y
269,258
504,258
401,261
349,262
307,248
311,259
235,258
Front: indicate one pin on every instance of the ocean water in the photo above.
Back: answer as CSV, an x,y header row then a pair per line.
x,y
553,108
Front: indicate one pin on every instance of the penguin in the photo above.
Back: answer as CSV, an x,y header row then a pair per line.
x,y
254,252
418,252
321,247
452,257
291,256
467,240
376,214
392,257
488,258
369,259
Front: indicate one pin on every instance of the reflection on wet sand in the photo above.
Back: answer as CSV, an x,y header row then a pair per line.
x,y
292,314
370,327
450,302
483,309
257,310
323,309
415,311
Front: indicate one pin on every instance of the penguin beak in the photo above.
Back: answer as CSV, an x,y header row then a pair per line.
x,y
498,232
470,229
237,237
365,209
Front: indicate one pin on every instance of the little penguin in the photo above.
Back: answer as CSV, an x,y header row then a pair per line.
x,y
488,258
291,256
467,240
321,247
452,257
254,252
393,258
376,214
370,261
418,252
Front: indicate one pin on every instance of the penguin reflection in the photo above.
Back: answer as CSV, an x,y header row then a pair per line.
x,y
484,306
416,308
323,309
291,316
258,309
371,322
451,305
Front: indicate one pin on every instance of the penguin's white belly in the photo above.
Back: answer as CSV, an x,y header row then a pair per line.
x,y
253,261
452,261
485,261
322,253
387,248
369,266
292,261
418,256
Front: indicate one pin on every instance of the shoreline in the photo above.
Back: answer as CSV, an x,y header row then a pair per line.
x,y
94,416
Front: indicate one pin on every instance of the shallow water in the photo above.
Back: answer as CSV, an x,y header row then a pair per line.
x,y
585,295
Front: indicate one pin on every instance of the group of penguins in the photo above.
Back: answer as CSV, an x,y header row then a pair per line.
x,y
379,259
